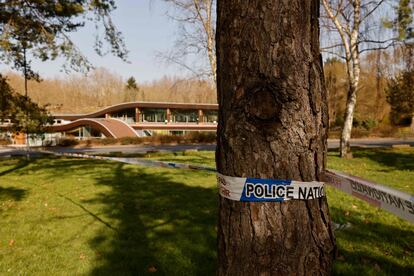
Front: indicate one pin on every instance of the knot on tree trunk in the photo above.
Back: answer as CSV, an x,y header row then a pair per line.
x,y
263,105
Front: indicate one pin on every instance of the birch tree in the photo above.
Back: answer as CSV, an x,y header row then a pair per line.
x,y
196,41
353,24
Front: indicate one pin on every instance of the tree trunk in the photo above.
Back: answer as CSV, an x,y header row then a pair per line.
x,y
273,122
345,147
412,124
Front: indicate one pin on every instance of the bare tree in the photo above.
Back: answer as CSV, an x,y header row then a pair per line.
x,y
351,25
196,39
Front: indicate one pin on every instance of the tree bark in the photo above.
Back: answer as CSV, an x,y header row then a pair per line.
x,y
273,122
344,145
412,124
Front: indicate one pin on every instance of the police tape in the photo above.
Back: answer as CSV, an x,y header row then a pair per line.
x,y
391,200
266,190
235,188
136,161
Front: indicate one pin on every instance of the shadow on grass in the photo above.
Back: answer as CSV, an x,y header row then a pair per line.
x,y
20,164
162,225
392,158
398,160
12,193
374,246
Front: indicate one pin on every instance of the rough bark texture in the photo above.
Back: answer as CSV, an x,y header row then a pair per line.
x,y
273,121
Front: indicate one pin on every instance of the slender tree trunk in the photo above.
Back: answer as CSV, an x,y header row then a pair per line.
x,y
209,29
412,124
345,147
378,87
273,122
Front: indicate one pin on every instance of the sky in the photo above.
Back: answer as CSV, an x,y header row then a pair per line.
x,y
147,31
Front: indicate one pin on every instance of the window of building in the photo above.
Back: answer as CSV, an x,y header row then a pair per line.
x,y
184,116
211,116
153,115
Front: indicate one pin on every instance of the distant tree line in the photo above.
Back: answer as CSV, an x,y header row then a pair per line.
x,y
100,88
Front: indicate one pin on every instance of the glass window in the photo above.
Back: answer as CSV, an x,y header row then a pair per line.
x,y
153,115
211,116
184,116
127,115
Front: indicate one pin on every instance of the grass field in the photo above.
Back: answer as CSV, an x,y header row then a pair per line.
x,y
71,216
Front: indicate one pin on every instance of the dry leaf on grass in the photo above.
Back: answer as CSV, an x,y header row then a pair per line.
x,y
152,269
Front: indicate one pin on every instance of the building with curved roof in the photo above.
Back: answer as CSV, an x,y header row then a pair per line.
x,y
134,119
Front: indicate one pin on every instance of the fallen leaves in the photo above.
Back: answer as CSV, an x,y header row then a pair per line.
x,y
152,269
11,243
341,258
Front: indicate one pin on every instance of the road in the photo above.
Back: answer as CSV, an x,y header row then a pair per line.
x,y
332,143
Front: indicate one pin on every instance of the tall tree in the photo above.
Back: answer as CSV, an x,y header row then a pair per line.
x,y
131,90
400,95
353,21
197,23
273,121
25,115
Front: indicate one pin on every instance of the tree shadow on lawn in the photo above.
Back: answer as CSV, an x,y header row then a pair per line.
x,y
162,225
374,246
12,193
19,165
388,157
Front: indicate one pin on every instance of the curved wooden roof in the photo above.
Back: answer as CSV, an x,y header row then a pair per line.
x,y
123,106
109,127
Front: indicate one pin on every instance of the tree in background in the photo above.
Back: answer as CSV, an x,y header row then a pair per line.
x,y
24,114
41,28
131,84
335,82
273,121
196,40
86,93
131,90
400,95
357,26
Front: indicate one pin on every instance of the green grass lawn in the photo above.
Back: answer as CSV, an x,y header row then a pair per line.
x,y
63,216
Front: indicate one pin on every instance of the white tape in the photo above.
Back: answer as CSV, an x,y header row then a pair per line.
x,y
256,189
394,201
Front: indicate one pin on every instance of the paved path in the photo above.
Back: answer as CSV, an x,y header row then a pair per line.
x,y
372,142
332,143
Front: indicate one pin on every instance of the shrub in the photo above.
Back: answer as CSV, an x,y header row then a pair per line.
x,y
4,141
201,137
67,142
107,141
167,139
369,124
130,140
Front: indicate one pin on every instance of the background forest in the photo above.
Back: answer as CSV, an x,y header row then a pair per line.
x,y
79,93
